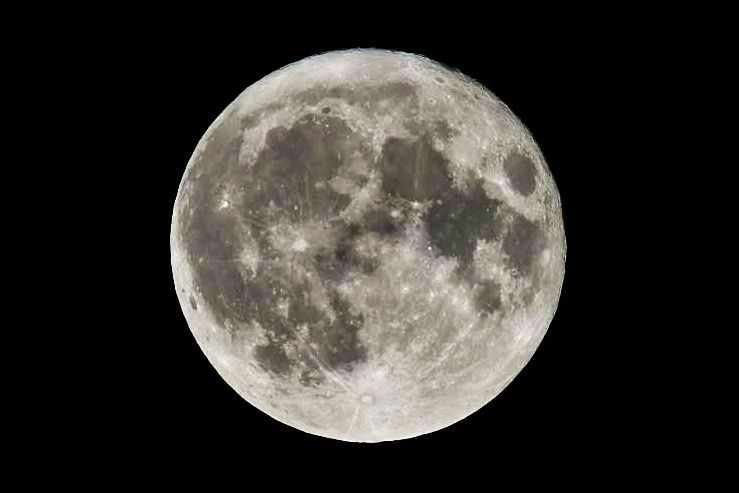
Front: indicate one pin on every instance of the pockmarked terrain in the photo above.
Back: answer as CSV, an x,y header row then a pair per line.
x,y
367,245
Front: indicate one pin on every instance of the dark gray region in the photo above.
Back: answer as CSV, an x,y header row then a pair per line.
x,y
521,173
295,159
522,243
487,296
460,219
334,266
442,129
413,169
280,184
210,240
339,342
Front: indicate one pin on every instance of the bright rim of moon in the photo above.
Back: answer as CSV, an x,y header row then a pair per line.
x,y
367,245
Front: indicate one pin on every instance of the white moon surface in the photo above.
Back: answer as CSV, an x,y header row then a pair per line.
x,y
368,245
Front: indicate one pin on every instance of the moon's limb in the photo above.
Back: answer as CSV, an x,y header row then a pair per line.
x,y
368,246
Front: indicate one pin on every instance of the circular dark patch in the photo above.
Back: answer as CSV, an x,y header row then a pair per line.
x,y
193,303
521,173
326,109
439,80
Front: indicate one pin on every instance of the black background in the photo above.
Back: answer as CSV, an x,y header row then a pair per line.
x,y
138,89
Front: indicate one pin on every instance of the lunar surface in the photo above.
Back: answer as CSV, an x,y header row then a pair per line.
x,y
367,245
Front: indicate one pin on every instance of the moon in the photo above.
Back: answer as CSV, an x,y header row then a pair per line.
x,y
368,245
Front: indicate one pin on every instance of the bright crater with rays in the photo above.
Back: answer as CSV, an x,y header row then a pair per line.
x,y
367,245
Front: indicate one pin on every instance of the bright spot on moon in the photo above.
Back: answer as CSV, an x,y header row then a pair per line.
x,y
367,245
300,245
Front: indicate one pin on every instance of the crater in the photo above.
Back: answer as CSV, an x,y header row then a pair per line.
x,y
193,303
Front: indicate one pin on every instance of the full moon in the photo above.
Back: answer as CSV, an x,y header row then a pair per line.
x,y
367,245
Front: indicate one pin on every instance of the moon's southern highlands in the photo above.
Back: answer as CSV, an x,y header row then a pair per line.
x,y
368,245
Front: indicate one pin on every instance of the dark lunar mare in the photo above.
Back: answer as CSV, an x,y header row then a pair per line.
x,y
281,185
521,173
459,219
294,160
289,182
487,296
334,266
414,170
523,242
